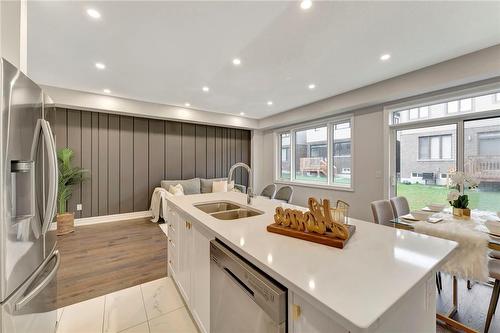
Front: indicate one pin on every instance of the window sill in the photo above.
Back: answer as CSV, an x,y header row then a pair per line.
x,y
436,160
314,185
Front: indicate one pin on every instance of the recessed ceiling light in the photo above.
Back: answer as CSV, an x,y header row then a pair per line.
x,y
236,61
385,57
205,89
269,103
107,91
311,86
187,104
306,4
100,65
242,113
93,13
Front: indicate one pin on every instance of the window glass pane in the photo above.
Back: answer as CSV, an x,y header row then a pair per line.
x,y
453,107
423,148
446,147
420,178
311,158
400,116
424,112
342,159
435,147
414,113
480,103
489,143
285,156
466,104
482,160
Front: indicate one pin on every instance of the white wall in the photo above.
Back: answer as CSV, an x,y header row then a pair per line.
x,y
262,159
13,32
368,166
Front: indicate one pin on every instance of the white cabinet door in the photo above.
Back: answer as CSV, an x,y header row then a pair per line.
x,y
189,262
200,301
184,244
304,317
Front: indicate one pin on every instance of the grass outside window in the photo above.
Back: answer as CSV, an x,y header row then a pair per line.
x,y
420,195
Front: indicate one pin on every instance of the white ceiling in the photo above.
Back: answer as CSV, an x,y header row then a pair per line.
x,y
164,52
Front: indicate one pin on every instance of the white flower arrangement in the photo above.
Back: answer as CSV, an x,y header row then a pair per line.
x,y
459,180
453,195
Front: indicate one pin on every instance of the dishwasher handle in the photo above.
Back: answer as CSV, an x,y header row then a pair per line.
x,y
242,284
268,294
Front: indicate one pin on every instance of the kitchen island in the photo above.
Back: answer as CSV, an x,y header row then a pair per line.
x,y
382,281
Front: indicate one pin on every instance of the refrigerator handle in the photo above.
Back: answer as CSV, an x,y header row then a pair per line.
x,y
53,176
35,291
43,127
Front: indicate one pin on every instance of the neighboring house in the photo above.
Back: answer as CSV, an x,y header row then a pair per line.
x,y
427,155
311,151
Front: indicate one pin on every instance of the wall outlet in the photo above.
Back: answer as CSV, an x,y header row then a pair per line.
x,y
79,207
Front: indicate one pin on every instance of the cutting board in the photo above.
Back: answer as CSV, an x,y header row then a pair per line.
x,y
325,239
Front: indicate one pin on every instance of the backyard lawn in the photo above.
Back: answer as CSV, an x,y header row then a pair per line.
x,y
420,195
345,180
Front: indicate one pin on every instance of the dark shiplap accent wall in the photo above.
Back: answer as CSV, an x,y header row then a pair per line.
x,y
127,157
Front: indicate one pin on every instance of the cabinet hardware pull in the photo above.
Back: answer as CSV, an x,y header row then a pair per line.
x,y
295,311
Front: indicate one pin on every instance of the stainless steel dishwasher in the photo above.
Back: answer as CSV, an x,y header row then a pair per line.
x,y
243,299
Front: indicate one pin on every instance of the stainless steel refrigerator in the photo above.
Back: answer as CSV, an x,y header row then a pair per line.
x,y
28,191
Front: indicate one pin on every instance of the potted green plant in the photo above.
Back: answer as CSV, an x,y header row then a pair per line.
x,y
68,177
459,203
458,200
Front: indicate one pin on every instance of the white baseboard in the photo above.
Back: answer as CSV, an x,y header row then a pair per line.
x,y
107,218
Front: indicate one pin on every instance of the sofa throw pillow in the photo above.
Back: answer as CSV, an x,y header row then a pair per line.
x,y
219,186
230,186
190,186
176,190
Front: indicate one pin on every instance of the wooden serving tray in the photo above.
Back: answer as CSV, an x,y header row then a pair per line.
x,y
326,239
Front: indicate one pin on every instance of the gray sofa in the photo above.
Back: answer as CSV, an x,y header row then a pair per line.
x,y
197,185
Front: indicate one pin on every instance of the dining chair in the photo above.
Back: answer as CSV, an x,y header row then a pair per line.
x,y
494,268
284,194
269,191
400,206
382,212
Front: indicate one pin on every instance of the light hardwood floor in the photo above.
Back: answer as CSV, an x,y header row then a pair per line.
x,y
472,305
102,258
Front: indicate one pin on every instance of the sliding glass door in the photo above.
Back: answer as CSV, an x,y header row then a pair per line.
x,y
424,158
432,138
482,160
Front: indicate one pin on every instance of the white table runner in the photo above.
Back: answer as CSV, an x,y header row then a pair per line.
x,y
470,259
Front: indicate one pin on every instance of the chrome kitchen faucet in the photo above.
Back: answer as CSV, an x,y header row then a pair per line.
x,y
250,194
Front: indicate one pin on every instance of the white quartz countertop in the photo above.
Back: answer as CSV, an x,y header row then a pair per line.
x,y
355,286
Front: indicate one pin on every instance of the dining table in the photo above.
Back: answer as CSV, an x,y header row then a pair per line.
x,y
480,222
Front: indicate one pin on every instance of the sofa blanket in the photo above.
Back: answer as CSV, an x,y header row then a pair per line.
x,y
159,204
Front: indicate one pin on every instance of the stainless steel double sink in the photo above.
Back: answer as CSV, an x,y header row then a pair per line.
x,y
227,210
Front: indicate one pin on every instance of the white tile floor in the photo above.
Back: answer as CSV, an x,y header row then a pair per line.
x,y
152,307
